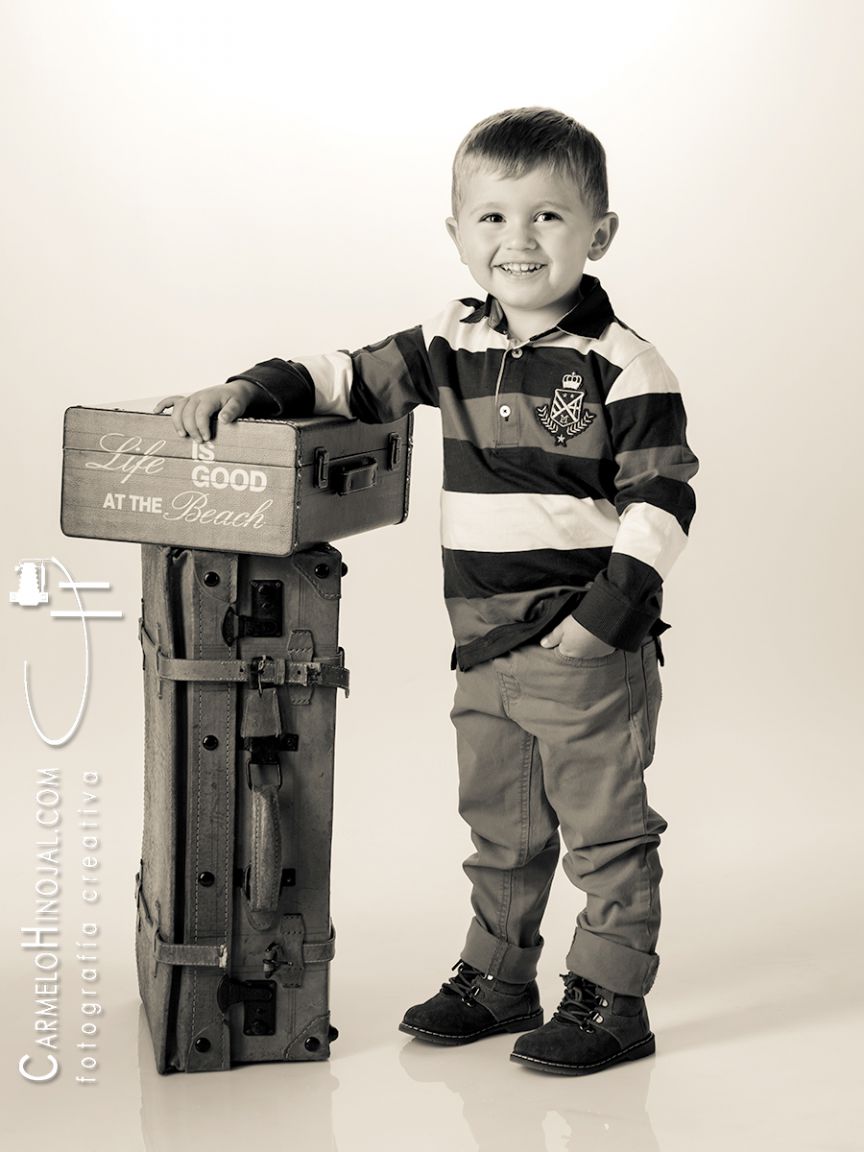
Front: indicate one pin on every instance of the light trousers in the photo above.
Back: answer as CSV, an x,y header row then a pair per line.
x,y
553,749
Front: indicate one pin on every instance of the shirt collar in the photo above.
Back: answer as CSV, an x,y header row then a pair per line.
x,y
590,316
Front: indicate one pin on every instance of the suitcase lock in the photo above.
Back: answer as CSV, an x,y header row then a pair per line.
x,y
265,750
322,467
394,451
265,619
258,998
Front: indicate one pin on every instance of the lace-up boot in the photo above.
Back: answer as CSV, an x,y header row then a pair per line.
x,y
592,1029
471,1006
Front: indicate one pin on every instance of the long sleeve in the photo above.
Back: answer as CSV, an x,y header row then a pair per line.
x,y
376,384
654,501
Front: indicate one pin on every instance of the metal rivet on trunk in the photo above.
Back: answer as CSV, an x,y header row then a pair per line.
x,y
322,571
202,1044
210,743
211,579
311,1043
206,879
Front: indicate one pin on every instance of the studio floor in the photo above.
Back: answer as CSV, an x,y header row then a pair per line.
x,y
758,1048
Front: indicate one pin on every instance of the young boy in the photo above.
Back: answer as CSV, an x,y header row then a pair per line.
x,y
565,502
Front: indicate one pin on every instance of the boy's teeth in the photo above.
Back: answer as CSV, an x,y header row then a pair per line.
x,y
521,267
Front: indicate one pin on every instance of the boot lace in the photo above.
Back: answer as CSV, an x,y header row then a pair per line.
x,y
465,984
581,1004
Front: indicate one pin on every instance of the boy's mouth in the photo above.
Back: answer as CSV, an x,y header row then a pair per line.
x,y
517,269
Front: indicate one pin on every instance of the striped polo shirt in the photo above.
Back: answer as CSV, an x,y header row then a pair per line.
x,y
566,464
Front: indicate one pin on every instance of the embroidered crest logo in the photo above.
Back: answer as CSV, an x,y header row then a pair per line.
x,y
564,418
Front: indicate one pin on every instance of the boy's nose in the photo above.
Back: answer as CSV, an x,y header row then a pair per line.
x,y
520,236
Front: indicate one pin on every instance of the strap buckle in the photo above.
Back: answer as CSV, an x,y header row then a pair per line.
x,y
257,673
256,771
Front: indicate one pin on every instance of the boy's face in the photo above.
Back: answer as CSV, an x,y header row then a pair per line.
x,y
525,240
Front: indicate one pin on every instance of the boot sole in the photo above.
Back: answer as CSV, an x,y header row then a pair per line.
x,y
517,1024
644,1047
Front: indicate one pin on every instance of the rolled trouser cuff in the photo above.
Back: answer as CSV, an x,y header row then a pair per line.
x,y
613,966
499,958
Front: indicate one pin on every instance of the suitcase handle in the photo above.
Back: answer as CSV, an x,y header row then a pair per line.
x,y
260,732
265,873
357,476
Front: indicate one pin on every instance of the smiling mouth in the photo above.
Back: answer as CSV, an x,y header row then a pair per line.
x,y
517,270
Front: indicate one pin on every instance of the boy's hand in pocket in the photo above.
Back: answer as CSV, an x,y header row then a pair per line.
x,y
573,640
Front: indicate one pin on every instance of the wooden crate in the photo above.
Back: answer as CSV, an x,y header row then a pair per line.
x,y
269,487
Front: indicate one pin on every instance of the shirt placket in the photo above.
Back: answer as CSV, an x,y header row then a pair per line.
x,y
506,414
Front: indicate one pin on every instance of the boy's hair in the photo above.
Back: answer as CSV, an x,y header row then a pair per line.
x,y
520,139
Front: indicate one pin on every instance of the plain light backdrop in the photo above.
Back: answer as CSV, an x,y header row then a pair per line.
x,y
191,187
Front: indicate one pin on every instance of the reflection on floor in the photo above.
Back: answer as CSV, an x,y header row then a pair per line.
x,y
758,1050
731,1072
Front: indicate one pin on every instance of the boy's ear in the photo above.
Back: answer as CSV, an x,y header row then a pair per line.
x,y
453,232
604,234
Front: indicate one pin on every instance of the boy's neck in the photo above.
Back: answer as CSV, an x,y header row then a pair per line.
x,y
522,326
523,323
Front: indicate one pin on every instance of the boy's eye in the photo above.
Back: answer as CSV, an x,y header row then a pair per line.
x,y
548,216
491,218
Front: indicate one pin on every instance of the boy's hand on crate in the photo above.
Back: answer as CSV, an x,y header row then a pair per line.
x,y
192,415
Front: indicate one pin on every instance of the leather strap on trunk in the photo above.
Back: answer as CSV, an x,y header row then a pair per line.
x,y
258,672
166,952
290,954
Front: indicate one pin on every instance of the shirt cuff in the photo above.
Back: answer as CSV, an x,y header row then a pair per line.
x,y
612,618
288,387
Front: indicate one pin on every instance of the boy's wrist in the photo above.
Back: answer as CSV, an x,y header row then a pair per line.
x,y
608,614
282,388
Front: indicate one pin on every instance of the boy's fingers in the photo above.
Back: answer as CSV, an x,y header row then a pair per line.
x,y
191,415
553,638
202,420
181,403
197,419
176,404
190,420
188,426
231,411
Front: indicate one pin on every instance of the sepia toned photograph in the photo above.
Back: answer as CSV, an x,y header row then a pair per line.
x,y
433,554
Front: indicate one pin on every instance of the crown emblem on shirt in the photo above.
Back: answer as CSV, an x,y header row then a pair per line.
x,y
564,417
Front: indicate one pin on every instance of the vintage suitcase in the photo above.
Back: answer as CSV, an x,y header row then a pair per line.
x,y
269,487
241,670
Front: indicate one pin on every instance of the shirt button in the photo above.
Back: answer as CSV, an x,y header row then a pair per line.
x,y
516,353
504,411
